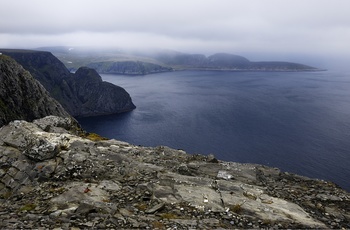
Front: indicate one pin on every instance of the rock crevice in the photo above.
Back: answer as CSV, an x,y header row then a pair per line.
x,y
112,184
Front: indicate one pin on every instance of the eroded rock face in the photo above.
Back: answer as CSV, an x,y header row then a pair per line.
x,y
63,180
23,97
86,83
75,92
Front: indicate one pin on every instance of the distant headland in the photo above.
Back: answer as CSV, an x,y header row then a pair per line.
x,y
117,61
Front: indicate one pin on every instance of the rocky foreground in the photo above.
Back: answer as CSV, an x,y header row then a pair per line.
x,y
53,175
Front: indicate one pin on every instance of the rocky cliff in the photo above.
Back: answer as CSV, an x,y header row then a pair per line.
x,y
96,98
23,97
50,177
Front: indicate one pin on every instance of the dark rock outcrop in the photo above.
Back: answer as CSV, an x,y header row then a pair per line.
x,y
98,98
79,183
42,65
23,97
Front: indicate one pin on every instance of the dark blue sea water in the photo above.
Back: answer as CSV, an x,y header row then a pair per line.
x,y
296,121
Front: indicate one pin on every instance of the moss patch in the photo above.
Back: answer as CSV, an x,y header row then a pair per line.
x,y
237,208
169,216
28,207
94,137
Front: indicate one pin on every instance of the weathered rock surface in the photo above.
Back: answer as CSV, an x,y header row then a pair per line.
x,y
23,97
77,93
50,178
96,96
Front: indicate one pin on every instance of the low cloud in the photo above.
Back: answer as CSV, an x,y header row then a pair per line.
x,y
313,27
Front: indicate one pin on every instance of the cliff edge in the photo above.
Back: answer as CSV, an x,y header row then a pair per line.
x,y
23,97
98,97
50,178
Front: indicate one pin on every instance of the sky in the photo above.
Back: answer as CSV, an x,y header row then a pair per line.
x,y
313,31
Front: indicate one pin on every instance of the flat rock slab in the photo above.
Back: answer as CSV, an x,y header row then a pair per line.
x,y
81,183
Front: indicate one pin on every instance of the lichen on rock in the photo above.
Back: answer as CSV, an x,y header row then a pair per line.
x,y
47,172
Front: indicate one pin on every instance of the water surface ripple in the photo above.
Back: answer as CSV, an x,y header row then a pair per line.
x,y
296,121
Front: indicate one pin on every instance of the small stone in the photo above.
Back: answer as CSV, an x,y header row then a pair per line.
x,y
224,175
155,208
211,158
89,224
84,208
184,170
250,195
134,223
125,212
211,222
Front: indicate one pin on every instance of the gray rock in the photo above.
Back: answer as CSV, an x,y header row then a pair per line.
x,y
114,184
41,150
23,97
155,208
84,209
56,124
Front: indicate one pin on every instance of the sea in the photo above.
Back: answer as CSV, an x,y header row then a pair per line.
x,y
296,121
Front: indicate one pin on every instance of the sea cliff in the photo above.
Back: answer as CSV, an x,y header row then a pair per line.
x,y
23,97
75,92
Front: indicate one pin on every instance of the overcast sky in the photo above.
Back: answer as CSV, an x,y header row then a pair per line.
x,y
261,29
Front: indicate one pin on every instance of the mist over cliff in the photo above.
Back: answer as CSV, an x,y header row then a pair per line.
x,y
142,62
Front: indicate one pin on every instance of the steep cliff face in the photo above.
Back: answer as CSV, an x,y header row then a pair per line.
x,y
97,97
93,98
42,65
23,97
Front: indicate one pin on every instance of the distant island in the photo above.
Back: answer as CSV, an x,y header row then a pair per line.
x,y
116,61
